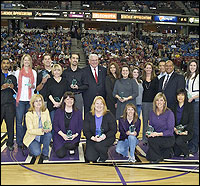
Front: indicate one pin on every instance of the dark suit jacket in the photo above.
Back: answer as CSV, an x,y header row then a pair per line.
x,y
108,124
187,117
94,89
110,100
75,125
175,82
7,94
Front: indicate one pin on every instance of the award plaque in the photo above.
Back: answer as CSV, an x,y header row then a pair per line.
x,y
69,134
44,73
99,132
29,83
47,125
57,99
74,82
150,129
180,128
9,81
121,95
132,128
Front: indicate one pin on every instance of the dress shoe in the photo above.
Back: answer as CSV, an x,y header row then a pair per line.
x,y
51,144
71,152
10,148
157,161
23,147
45,157
20,146
100,160
186,156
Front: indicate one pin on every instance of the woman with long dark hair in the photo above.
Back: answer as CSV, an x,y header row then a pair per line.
x,y
113,73
68,124
192,87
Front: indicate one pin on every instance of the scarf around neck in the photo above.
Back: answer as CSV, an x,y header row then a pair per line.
x,y
30,76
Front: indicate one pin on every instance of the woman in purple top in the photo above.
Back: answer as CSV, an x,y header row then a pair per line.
x,y
162,139
67,120
129,128
99,129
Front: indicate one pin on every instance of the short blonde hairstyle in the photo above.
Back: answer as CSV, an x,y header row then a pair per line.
x,y
158,96
33,98
56,66
93,105
22,60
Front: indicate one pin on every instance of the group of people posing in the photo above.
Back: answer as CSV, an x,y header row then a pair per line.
x,y
56,105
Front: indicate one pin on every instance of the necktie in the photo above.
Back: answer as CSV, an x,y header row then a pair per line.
x,y
165,84
96,78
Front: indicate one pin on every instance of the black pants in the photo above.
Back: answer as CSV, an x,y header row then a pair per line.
x,y
8,113
160,147
62,152
94,150
181,145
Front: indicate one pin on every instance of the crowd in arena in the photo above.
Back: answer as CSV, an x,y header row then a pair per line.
x,y
67,101
132,84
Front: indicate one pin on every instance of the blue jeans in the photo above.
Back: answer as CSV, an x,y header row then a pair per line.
x,y
21,111
124,145
139,108
194,142
35,146
52,114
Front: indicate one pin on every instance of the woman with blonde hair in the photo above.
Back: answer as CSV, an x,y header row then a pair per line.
x,y
56,87
129,128
161,137
26,80
38,127
99,128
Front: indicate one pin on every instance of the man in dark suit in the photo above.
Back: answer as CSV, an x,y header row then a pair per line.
x,y
96,76
8,104
170,83
43,76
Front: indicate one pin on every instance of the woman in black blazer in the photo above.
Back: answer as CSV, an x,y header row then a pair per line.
x,y
113,73
99,128
183,112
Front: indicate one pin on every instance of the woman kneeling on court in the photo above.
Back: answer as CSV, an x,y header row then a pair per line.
x,y
129,128
99,129
68,124
38,127
161,138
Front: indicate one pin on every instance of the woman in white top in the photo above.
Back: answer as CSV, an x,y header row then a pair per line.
x,y
26,80
192,87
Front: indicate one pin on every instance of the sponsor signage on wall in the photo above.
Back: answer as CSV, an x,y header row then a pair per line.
x,y
104,15
165,18
135,17
194,20
16,13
